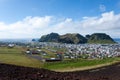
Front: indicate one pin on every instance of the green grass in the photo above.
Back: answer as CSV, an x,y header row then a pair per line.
x,y
16,57
101,42
71,64
59,49
49,53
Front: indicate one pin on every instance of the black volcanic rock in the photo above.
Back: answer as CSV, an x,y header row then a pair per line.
x,y
12,72
100,38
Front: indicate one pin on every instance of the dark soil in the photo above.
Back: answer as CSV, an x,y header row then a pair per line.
x,y
11,72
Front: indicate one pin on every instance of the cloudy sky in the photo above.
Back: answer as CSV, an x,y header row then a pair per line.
x,y
34,18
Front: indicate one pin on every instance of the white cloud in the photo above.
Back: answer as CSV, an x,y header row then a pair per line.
x,y
27,27
108,23
102,7
31,27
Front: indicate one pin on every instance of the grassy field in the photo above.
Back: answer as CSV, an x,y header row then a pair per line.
x,y
16,57
79,64
49,53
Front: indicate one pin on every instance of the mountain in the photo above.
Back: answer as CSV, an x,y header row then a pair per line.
x,y
67,38
75,38
100,38
72,38
52,37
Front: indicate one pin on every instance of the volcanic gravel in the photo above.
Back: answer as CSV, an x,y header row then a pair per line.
x,y
12,72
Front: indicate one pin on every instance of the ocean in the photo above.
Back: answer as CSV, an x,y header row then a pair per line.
x,y
30,39
16,40
117,40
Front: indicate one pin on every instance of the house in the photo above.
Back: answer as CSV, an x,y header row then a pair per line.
x,y
34,52
11,45
28,51
52,60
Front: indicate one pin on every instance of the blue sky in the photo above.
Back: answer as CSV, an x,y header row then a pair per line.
x,y
33,18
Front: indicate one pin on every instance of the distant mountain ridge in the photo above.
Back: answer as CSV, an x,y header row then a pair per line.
x,y
76,38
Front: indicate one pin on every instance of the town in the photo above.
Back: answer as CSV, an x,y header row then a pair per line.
x,y
51,51
91,51
62,51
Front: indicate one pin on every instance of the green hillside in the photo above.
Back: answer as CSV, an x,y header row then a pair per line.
x,y
101,38
75,38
